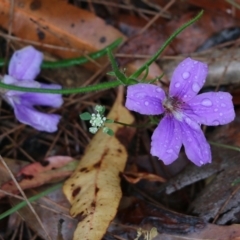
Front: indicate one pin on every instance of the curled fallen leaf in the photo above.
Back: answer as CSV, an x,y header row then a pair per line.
x,y
94,188
54,168
138,176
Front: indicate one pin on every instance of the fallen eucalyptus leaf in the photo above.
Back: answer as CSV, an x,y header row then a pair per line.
x,y
94,188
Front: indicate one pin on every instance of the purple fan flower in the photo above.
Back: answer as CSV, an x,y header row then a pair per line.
x,y
24,66
184,112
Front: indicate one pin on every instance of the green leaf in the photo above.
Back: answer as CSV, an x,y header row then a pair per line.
x,y
73,61
86,116
109,121
145,75
101,109
111,74
110,132
31,199
236,182
121,77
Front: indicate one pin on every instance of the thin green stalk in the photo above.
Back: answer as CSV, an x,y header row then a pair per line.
x,y
134,126
224,146
31,199
74,61
91,88
233,3
169,40
121,76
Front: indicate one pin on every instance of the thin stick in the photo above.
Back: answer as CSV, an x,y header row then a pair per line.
x,y
156,16
25,197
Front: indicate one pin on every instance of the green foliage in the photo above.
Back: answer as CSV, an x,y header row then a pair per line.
x,y
86,116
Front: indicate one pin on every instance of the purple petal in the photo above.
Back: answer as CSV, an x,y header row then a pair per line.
x,y
145,99
30,99
167,140
213,108
187,79
43,99
7,79
51,100
38,120
195,144
25,63
13,96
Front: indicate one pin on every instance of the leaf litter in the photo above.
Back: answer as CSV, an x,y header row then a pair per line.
x,y
217,199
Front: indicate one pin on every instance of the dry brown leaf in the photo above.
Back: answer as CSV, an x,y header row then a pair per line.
x,y
135,177
14,165
58,23
94,188
210,232
53,212
63,25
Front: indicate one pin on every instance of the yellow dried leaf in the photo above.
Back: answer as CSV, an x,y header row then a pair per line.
x,y
94,188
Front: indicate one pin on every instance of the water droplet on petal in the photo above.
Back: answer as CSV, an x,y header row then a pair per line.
x,y
188,120
215,110
201,162
206,102
185,96
195,87
146,103
215,123
159,90
220,114
223,105
189,139
169,151
177,85
186,75
195,62
221,97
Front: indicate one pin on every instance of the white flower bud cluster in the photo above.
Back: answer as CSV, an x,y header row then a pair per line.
x,y
97,119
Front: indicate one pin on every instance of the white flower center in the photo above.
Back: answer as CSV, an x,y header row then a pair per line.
x,y
173,106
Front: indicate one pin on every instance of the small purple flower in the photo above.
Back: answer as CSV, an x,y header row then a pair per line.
x,y
24,66
184,112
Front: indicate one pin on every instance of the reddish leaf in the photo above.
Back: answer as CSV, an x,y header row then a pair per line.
x,y
37,174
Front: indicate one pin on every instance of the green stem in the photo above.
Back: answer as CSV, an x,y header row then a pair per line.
x,y
31,199
169,40
91,88
224,146
74,61
134,126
